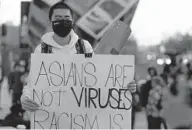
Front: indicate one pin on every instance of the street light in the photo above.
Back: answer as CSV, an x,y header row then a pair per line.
x,y
160,61
185,61
168,61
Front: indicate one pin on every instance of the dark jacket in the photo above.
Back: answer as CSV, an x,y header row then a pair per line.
x,y
14,118
2,74
145,92
15,82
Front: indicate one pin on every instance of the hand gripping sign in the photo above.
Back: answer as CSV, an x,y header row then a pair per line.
x,y
75,92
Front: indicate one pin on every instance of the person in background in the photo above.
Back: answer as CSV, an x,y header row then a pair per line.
x,y
10,77
5,59
189,80
154,105
1,81
189,67
166,74
182,81
152,72
63,40
179,107
15,118
24,77
145,88
16,85
189,86
135,107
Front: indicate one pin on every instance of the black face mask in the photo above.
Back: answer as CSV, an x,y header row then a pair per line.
x,y
62,27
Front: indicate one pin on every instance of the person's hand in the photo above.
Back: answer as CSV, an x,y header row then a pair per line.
x,y
28,104
132,87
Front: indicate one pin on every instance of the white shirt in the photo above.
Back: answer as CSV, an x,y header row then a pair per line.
x,y
67,49
56,48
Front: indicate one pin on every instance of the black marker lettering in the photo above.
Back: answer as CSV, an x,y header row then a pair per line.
x,y
129,100
44,98
95,78
118,74
111,102
41,73
106,102
110,76
59,98
110,122
92,97
78,100
71,123
85,97
58,121
80,116
115,119
124,76
71,75
64,82
77,75
39,122
54,121
52,71
35,93
120,99
91,126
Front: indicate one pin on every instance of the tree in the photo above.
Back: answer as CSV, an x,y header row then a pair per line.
x,y
179,43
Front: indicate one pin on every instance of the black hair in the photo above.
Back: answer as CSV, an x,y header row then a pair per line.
x,y
59,5
166,69
16,65
188,65
154,69
189,74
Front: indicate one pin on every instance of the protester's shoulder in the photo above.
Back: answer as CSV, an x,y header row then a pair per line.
x,y
46,37
38,49
88,46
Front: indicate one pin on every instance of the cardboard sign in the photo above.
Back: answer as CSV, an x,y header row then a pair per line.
x,y
81,7
97,20
79,93
114,39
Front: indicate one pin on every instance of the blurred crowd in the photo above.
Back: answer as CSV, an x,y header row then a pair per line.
x,y
161,91
154,95
17,79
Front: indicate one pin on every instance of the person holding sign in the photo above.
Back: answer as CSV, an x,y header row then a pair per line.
x,y
62,40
